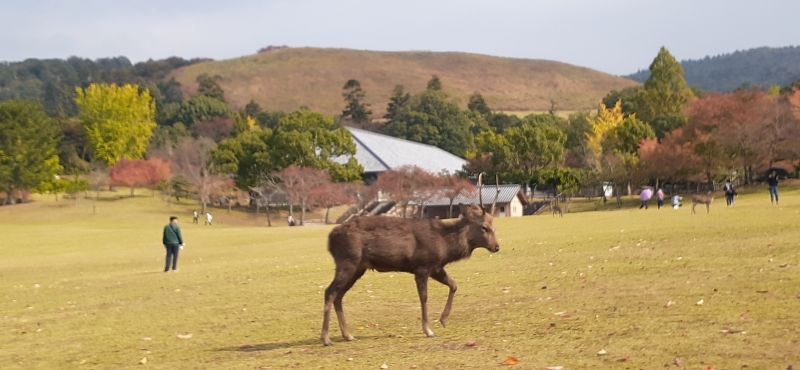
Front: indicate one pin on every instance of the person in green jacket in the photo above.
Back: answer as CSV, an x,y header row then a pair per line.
x,y
173,242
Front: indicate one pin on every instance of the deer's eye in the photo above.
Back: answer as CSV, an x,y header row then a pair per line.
x,y
486,228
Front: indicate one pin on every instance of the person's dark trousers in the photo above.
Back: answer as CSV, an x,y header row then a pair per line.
x,y
773,194
644,205
172,255
729,198
660,203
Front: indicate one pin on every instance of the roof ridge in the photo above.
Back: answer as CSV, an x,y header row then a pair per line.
x,y
398,139
370,150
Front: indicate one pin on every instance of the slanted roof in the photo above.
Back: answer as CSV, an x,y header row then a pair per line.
x,y
507,194
377,153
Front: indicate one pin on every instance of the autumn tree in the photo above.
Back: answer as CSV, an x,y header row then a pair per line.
x,y
454,186
139,173
298,182
28,142
434,84
209,86
328,195
356,109
117,120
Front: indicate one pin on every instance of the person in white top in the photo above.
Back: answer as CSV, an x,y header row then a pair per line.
x,y
209,218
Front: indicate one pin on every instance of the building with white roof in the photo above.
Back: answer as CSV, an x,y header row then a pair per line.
x,y
377,153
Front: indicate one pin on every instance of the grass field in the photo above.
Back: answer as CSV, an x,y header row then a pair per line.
x,y
86,291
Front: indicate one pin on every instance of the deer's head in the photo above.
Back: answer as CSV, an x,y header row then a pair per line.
x,y
480,232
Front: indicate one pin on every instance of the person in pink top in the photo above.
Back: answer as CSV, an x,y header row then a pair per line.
x,y
660,198
645,196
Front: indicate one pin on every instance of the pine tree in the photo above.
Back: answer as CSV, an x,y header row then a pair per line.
x,y
356,110
665,94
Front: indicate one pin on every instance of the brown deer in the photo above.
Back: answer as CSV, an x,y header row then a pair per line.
x,y
420,247
702,199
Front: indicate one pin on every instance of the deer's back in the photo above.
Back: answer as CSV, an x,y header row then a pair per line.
x,y
386,243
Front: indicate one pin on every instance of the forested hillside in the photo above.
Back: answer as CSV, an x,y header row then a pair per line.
x,y
763,66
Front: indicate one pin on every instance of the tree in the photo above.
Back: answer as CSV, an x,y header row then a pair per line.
x,y
665,94
356,109
478,104
328,195
626,137
247,157
138,173
298,182
399,185
453,187
28,148
601,125
397,102
209,86
432,119
309,139
191,160
202,108
216,129
118,121
535,145
630,98
434,84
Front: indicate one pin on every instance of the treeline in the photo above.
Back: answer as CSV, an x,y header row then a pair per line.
x,y
758,67
52,82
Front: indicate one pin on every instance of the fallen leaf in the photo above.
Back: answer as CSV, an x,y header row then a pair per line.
x,y
143,360
147,338
669,304
510,361
762,291
700,302
602,352
471,343
185,336
678,362
349,359
784,265
384,366
554,368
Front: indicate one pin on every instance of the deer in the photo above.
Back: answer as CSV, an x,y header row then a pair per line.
x,y
416,246
555,206
702,199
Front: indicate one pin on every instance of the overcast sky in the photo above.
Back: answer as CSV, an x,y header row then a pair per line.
x,y
615,36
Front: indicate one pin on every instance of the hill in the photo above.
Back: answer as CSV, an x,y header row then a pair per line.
x,y
762,66
287,78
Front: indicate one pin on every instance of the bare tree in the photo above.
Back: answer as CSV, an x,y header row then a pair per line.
x,y
298,183
191,160
454,186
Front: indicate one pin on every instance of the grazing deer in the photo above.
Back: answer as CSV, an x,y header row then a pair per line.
x,y
420,247
702,199
556,208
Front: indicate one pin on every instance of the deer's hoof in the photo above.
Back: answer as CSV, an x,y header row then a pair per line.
x,y
326,341
443,321
429,333
349,338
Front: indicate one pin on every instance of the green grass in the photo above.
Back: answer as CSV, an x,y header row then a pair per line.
x,y
85,291
287,79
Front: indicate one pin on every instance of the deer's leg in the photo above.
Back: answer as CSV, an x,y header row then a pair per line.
x,y
340,280
442,277
422,289
337,304
693,206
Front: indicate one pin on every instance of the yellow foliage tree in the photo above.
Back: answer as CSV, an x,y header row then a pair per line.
x,y
602,124
118,120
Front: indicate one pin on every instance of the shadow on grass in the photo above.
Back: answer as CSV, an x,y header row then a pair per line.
x,y
264,347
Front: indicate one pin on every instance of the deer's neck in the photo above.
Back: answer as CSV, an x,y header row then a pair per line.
x,y
455,236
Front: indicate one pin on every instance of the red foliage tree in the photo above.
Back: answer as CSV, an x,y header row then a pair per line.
x,y
452,187
216,129
409,184
330,195
139,173
298,183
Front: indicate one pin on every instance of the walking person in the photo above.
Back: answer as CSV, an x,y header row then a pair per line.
x,y
660,197
209,218
173,243
772,181
676,201
730,192
645,196
195,217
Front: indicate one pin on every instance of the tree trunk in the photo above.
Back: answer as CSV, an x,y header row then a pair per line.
x,y
132,188
269,220
7,201
303,212
450,210
291,208
229,205
203,204
327,212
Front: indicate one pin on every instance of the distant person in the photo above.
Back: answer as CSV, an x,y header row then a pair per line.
x,y
772,181
173,243
290,220
676,201
195,217
645,196
730,193
660,197
209,218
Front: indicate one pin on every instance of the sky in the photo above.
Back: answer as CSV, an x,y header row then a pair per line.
x,y
614,36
